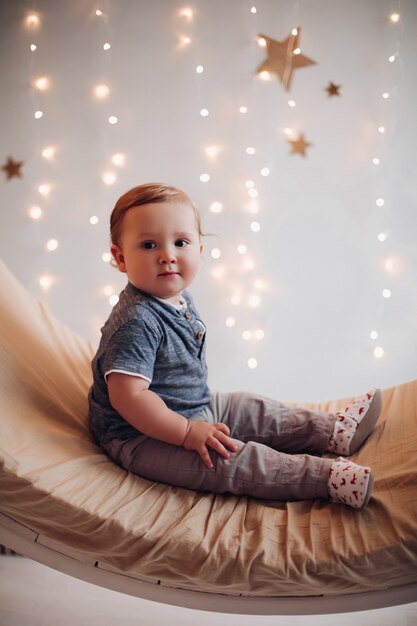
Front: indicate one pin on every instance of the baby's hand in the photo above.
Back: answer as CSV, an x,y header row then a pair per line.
x,y
200,435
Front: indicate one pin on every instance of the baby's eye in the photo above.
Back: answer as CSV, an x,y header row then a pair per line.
x,y
181,243
148,245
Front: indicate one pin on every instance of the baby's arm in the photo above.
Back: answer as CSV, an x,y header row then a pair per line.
x,y
147,412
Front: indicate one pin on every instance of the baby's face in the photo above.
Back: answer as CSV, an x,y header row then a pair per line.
x,y
159,248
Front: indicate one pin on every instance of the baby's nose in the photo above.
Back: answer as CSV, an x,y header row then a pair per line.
x,y
167,255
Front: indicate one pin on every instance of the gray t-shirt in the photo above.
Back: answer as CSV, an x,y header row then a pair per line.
x,y
149,338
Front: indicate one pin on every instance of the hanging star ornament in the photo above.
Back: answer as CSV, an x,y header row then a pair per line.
x,y
299,145
12,168
284,57
332,89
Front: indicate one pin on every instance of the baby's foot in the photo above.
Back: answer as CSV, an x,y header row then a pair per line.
x,y
355,423
350,483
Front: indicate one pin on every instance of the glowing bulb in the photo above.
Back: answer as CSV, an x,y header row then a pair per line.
x,y
288,131
216,207
378,352
381,129
101,91
230,322
45,281
235,299
380,202
44,189
205,178
48,153
382,236
261,42
106,46
376,161
253,10
33,47
391,59
249,184
248,264
106,257
218,272
394,17
42,83
242,249
254,300
118,159
250,150
33,21
113,119
187,12
292,103
113,300
253,207
247,335
108,178
253,193
297,51
98,12
216,253
52,245
252,363
35,212
385,95
94,220
108,291
255,227
264,75
204,112
243,109
373,334
199,69
259,284
186,40
38,115
294,32
386,293
265,171
259,334
212,151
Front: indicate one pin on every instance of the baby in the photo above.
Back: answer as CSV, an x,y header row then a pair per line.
x,y
150,407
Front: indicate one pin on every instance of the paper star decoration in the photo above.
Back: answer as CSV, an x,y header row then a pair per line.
x,y
284,57
12,168
299,145
332,89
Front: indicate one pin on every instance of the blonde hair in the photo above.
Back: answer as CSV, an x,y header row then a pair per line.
x,y
149,193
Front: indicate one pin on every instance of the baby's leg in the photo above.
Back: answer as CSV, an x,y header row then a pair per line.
x,y
255,418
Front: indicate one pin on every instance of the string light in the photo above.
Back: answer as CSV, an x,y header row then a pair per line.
x,y
185,40
382,237
378,352
254,300
38,115
106,257
48,152
292,103
94,220
45,282
187,12
385,95
109,178
373,334
380,202
106,46
118,159
199,69
212,151
44,189
247,335
216,253
35,213
230,322
376,161
216,207
101,91
42,83
294,32
52,245
113,300
259,334
243,109
253,10
264,75
255,227
99,13
249,184
33,21
386,293
113,119
261,41
265,171
395,18
252,363
33,47
392,58
253,193
381,129
250,150
204,112
242,249
205,178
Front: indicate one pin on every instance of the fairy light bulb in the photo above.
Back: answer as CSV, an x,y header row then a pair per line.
x,y
230,322
252,363
243,109
187,12
33,47
46,281
185,40
118,159
253,10
259,334
106,257
265,171
205,178
297,51
38,115
294,32
106,46
113,300
381,129
199,69
288,131
35,213
212,151
108,291
382,237
99,13
216,253
52,245
249,184
250,150
44,189
101,91
216,207
247,335
395,18
204,112
292,103
391,59
242,249
113,119
33,21
264,75
380,202
255,227
253,193
42,83
373,334
261,41
379,352
108,178
386,293
254,300
93,220
376,161
48,152
385,95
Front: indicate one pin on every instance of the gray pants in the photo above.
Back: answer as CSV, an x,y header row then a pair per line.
x,y
268,463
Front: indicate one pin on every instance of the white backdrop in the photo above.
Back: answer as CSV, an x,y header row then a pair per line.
x,y
313,274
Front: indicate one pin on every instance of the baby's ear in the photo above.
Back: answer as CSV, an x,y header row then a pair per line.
x,y
118,257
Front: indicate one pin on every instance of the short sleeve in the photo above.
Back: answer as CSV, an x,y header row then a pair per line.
x,y
132,350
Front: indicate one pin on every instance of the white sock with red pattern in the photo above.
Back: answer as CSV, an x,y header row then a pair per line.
x,y
349,483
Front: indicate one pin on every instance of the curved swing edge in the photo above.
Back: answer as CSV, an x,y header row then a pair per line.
x,y
27,543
